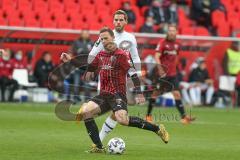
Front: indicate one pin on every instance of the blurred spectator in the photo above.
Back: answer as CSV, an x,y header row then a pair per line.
x,y
182,2
231,61
200,78
126,6
158,12
148,25
42,69
19,61
81,47
182,78
237,86
173,13
6,70
142,3
201,11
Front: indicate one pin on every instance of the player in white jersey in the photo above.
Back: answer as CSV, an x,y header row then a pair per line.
x,y
125,41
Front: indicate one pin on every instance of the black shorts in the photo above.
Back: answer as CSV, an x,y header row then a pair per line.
x,y
110,102
167,84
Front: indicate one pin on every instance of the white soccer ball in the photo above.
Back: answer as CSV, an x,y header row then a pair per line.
x,y
116,146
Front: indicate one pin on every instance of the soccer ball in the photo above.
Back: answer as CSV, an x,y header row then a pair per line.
x,y
116,146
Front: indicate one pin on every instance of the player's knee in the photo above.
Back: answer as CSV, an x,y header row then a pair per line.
x,y
122,119
85,112
113,117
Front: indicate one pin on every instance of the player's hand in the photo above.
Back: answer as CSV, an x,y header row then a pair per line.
x,y
65,57
140,99
88,76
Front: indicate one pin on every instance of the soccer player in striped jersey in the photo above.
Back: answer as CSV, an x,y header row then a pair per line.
x,y
112,65
126,41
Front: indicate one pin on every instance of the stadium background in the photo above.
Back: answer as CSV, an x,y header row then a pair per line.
x,y
30,130
26,26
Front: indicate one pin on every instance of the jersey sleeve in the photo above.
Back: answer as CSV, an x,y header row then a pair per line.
x,y
98,46
135,56
124,62
93,66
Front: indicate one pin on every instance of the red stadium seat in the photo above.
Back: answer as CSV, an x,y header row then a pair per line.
x,y
103,9
235,25
231,15
114,5
72,7
227,3
217,16
80,25
223,30
26,12
87,9
74,16
13,17
7,3
201,31
96,26
236,5
77,24
3,21
15,22
24,4
40,5
103,18
89,18
32,22
49,24
129,28
187,31
184,21
65,24
42,10
56,5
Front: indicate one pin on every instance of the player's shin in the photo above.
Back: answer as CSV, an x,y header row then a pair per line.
x,y
92,130
142,124
107,127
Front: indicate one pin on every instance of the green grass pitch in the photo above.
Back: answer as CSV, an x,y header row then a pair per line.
x,y
33,132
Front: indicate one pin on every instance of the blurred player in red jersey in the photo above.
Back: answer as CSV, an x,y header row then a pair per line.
x,y
166,57
6,70
112,65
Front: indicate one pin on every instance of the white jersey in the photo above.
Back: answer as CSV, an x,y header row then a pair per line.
x,y
124,40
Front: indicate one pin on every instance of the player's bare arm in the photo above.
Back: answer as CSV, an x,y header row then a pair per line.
x,y
140,99
161,71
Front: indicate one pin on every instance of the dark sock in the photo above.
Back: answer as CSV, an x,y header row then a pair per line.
x,y
150,106
93,132
140,123
180,108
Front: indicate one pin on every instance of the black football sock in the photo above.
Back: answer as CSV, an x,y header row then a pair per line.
x,y
93,132
150,106
180,108
140,123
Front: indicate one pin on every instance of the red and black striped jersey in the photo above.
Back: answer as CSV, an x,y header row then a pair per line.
x,y
113,68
